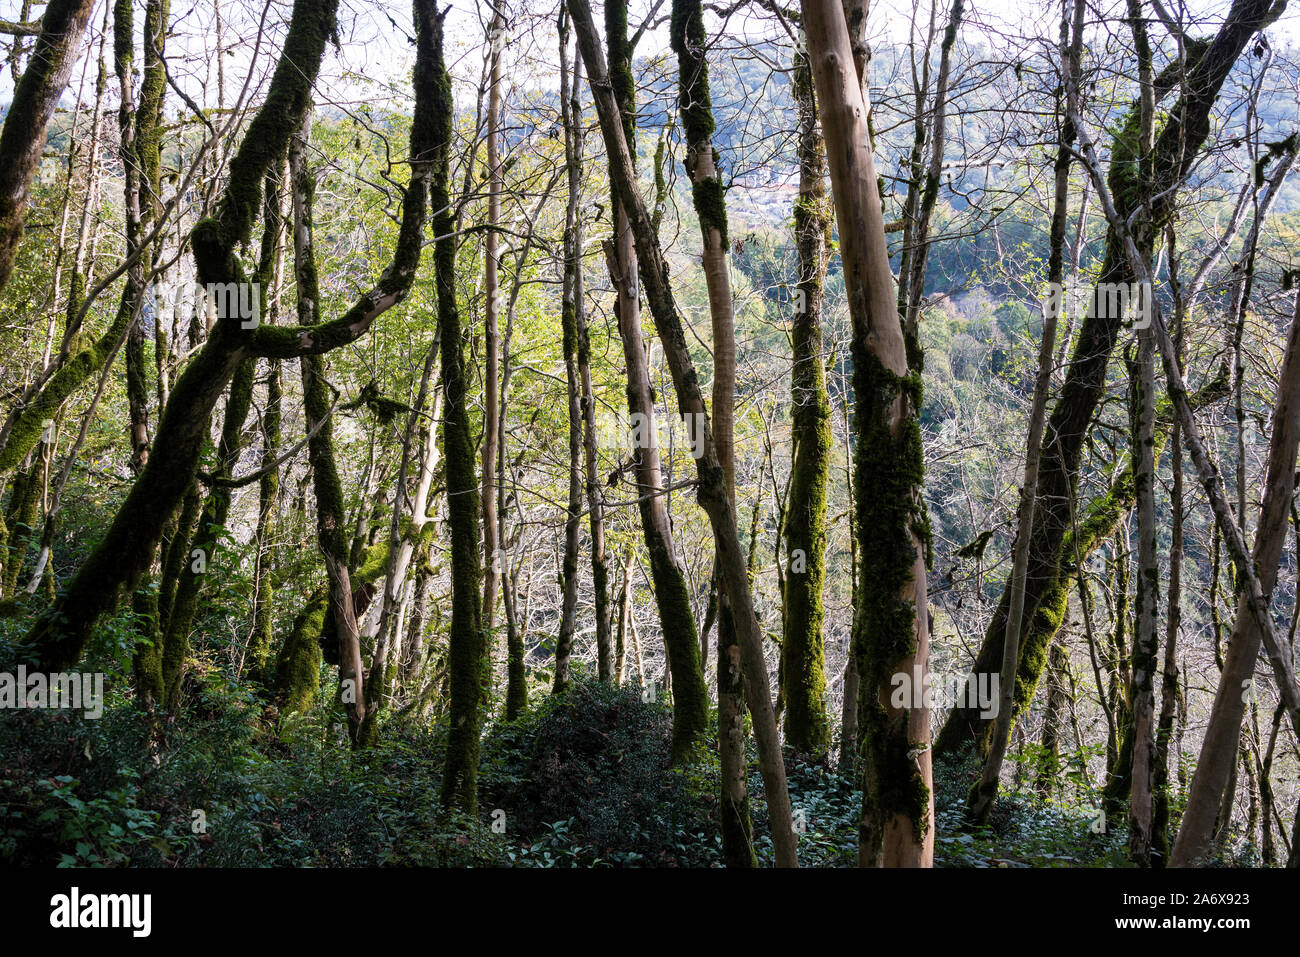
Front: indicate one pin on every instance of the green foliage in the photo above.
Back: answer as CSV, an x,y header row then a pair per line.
x,y
227,788
585,778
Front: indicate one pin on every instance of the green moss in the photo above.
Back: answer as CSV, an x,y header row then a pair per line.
x,y
23,511
467,654
888,476
297,671
620,69
803,656
711,206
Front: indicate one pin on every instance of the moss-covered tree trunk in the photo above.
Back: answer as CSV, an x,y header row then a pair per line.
x,y
690,43
980,801
56,640
261,637
714,497
690,697
467,643
203,547
331,510
21,514
600,562
37,93
893,638
1146,641
1178,144
803,651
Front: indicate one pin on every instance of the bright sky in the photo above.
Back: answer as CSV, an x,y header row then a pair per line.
x,y
375,47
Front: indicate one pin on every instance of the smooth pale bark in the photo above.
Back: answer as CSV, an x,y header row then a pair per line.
x,y
493,562
408,544
713,496
689,42
897,827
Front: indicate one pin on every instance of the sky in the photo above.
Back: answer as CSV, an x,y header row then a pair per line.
x,y
375,56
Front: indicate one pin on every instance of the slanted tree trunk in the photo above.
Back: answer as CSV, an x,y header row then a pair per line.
x,y
127,549
1198,80
1256,573
713,495
689,42
893,635
36,94
408,538
1219,747
690,697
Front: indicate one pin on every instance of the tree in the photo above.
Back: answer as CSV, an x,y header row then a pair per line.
x,y
893,634
713,494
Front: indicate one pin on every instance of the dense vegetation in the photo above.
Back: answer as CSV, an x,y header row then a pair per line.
x,y
552,478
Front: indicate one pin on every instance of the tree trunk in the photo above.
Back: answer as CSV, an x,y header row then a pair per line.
x,y
981,799
467,654
1218,749
127,549
803,650
713,495
690,697
1177,147
36,94
494,563
893,638
573,303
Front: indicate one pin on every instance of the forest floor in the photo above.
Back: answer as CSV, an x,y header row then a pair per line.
x,y
581,780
